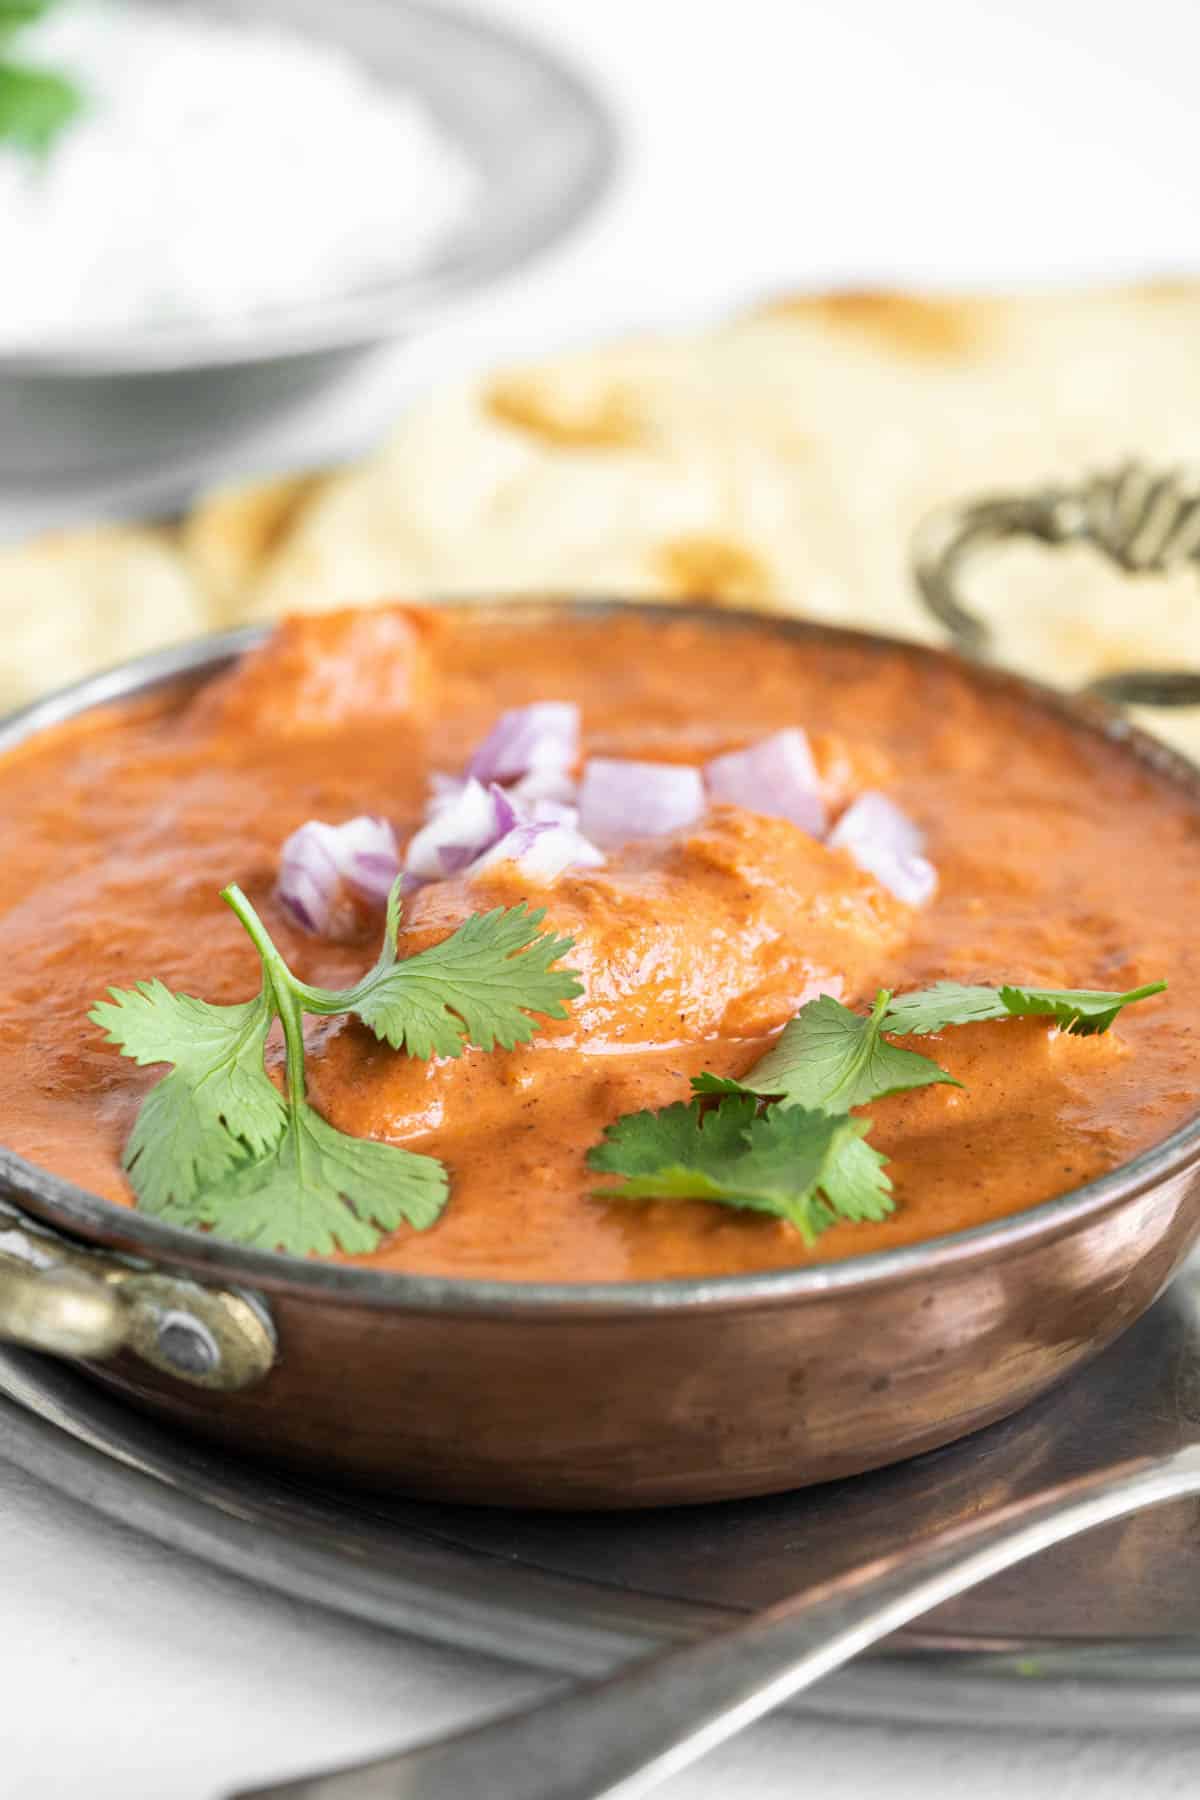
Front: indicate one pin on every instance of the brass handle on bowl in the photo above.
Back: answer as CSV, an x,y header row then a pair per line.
x,y
74,1301
60,1311
1146,523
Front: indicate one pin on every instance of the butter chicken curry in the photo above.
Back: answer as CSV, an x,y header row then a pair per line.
x,y
939,891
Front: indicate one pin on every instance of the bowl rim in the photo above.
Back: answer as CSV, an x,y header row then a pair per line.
x,y
385,309
58,1201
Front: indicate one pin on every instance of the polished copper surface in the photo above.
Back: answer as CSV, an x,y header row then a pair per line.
x,y
646,1394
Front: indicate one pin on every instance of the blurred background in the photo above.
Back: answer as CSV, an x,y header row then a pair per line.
x,y
306,304
254,240
739,150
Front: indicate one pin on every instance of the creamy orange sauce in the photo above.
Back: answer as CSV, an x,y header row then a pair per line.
x,y
1060,860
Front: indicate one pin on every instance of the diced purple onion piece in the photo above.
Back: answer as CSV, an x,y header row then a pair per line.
x,y
317,858
552,812
372,873
442,790
885,842
873,818
308,876
541,851
556,784
912,879
621,800
544,735
776,776
507,815
459,831
463,820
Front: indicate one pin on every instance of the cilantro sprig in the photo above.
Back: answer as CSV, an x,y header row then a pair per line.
x,y
217,1145
35,104
831,1058
781,1139
16,14
1083,1011
480,985
807,1167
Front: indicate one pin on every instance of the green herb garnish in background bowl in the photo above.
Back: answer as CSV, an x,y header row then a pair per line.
x,y
36,104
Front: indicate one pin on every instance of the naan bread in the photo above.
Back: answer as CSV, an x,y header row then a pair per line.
x,y
76,601
228,539
781,460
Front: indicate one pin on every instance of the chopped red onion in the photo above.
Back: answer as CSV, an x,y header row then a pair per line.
x,y
885,842
622,800
777,777
544,735
874,817
541,851
550,812
308,875
540,785
372,873
442,790
507,814
460,829
543,794
317,858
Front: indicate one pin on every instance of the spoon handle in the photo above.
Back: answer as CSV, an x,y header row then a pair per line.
x,y
623,1735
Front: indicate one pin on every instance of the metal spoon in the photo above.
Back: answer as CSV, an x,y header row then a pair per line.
x,y
624,1735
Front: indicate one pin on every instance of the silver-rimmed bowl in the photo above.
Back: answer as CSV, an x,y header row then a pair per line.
x,y
541,145
612,1394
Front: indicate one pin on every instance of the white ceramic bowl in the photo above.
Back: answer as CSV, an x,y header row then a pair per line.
x,y
542,146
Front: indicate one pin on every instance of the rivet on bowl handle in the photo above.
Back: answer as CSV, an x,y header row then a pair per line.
x,y
1146,523
74,1301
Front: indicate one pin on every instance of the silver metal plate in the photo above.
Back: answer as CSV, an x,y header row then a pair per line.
x,y
1104,1631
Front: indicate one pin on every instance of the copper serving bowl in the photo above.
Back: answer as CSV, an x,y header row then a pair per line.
x,y
605,1395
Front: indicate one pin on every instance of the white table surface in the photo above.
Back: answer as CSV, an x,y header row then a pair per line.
x,y
771,142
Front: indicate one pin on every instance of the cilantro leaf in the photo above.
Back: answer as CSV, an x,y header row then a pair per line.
x,y
35,105
823,1161
318,1190
708,1083
15,15
1084,1011
945,1003
217,1145
829,1059
807,1167
780,1140
855,1182
662,1155
482,985
216,1107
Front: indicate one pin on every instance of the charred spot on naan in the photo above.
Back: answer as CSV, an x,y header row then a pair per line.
x,y
913,324
566,415
706,566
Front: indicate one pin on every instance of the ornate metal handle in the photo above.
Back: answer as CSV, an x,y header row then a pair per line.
x,y
74,1301
1148,524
